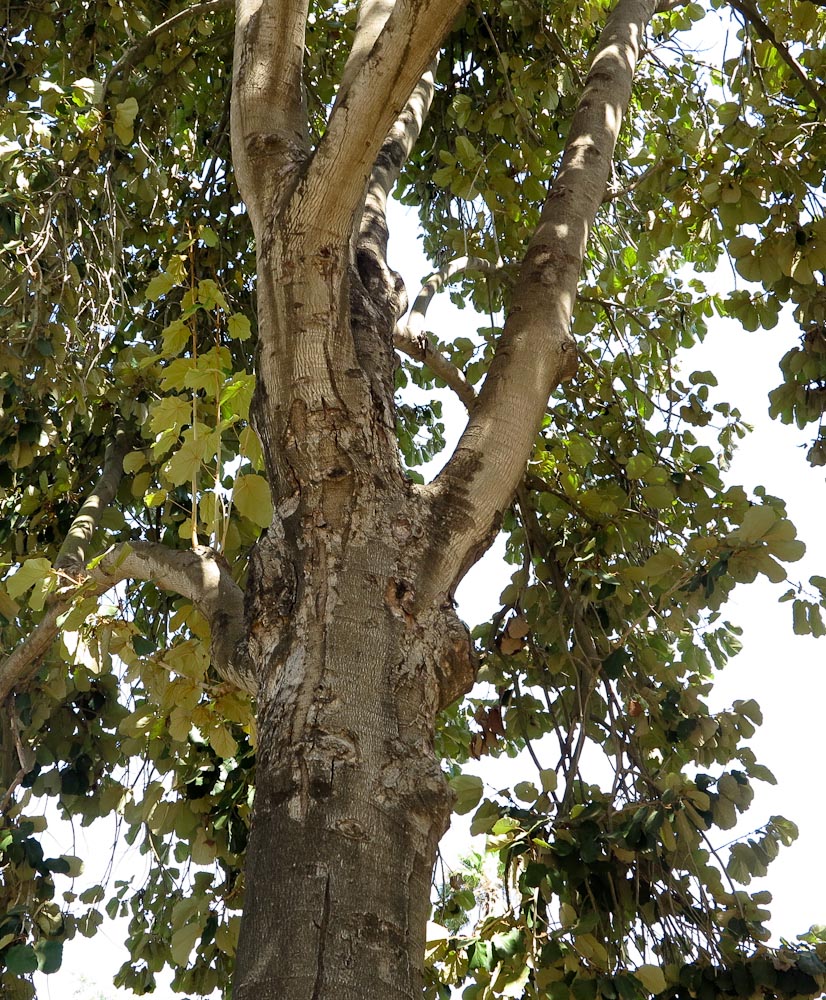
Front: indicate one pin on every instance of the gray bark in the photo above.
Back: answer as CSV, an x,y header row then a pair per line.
x,y
351,629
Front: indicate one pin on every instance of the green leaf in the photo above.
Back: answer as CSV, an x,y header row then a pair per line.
x,y
21,959
32,571
183,941
91,90
49,955
251,495
468,791
238,327
638,466
481,955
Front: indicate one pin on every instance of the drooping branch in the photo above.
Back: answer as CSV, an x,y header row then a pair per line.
x,y
376,88
435,283
199,574
73,554
536,350
270,135
138,52
764,30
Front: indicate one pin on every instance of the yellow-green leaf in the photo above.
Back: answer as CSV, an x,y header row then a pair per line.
x,y
252,498
175,337
222,742
652,978
125,113
160,285
31,572
238,327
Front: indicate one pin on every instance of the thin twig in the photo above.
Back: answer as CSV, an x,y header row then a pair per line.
x,y
144,46
764,30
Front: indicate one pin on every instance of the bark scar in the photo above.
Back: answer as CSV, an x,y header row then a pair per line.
x,y
318,986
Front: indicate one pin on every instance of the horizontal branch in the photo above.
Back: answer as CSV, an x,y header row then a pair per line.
x,y
436,282
199,575
536,350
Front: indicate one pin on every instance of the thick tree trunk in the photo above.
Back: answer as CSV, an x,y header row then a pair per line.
x,y
350,801
352,665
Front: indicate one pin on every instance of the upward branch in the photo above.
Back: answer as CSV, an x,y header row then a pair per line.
x,y
375,88
73,553
270,136
536,350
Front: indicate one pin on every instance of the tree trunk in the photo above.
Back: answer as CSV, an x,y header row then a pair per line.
x,y
350,802
352,666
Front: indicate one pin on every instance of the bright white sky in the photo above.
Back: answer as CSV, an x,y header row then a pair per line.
x,y
784,672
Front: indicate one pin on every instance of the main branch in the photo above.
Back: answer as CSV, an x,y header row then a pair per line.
x,y
536,350
270,138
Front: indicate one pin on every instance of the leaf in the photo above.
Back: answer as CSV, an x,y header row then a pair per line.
x,y
20,959
91,90
251,496
210,295
160,285
481,955
525,791
638,465
125,113
175,337
222,742
757,521
548,779
208,236
183,941
32,571
49,955
9,609
652,978
468,791
133,462
238,327
185,464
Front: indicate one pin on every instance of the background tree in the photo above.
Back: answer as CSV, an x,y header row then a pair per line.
x,y
224,374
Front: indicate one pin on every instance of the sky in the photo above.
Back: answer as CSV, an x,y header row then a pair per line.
x,y
785,673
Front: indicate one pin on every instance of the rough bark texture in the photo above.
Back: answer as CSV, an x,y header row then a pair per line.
x,y
351,630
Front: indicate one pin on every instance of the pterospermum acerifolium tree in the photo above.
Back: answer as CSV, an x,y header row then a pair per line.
x,y
227,610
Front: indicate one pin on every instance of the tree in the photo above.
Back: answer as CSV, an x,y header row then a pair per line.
x,y
200,420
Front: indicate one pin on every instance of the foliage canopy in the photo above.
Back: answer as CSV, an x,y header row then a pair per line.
x,y
128,296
